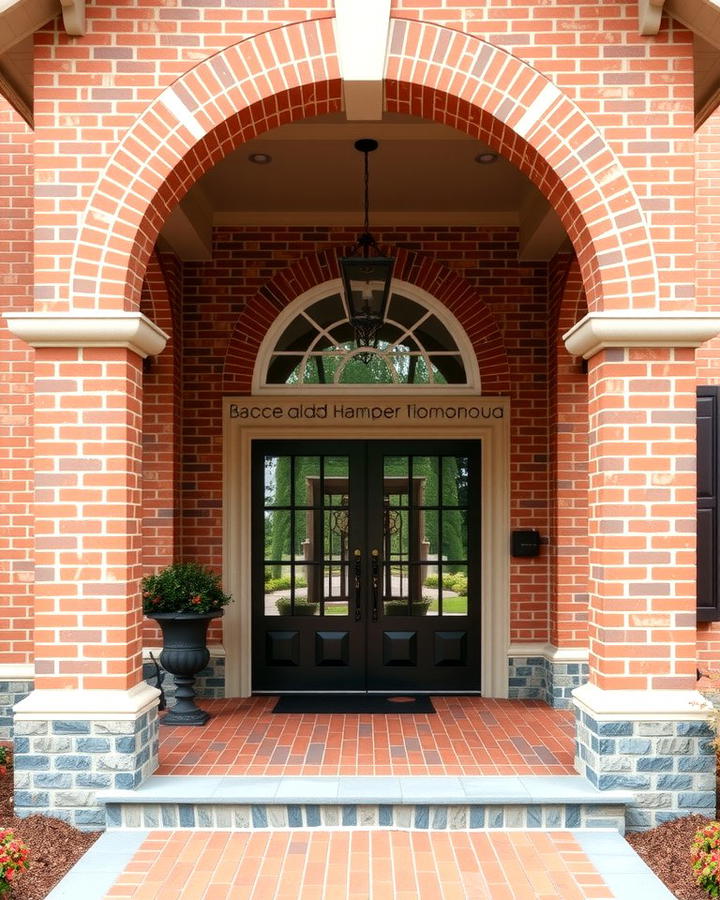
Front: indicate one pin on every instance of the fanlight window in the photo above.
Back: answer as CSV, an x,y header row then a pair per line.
x,y
412,347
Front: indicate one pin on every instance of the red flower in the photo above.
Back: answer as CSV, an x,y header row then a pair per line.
x,y
196,600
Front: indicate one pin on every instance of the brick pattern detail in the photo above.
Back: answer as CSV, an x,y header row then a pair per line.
x,y
642,518
61,764
707,229
16,389
87,513
669,766
496,297
11,692
462,75
161,432
568,463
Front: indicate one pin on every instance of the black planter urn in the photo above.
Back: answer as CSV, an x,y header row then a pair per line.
x,y
184,654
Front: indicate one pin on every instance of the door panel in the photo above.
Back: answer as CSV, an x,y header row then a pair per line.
x,y
366,566
426,635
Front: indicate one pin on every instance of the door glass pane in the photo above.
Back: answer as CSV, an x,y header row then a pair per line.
x,y
425,480
307,480
277,485
336,589
395,467
455,480
277,534
454,591
454,535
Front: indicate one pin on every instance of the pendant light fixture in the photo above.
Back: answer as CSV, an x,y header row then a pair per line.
x,y
366,275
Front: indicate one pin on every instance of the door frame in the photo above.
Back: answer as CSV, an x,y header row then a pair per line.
x,y
385,417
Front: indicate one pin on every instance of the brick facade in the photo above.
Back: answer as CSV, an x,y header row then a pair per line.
x,y
127,456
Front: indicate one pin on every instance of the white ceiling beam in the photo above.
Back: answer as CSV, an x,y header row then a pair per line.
x,y
362,28
188,228
649,16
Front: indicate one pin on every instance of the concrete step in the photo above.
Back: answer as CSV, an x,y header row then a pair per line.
x,y
427,802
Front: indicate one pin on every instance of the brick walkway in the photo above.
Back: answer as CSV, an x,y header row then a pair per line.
x,y
357,865
466,736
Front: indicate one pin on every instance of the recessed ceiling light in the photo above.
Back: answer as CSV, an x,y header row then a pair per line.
x,y
486,157
261,159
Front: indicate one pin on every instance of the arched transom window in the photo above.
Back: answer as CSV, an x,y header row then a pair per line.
x,y
419,344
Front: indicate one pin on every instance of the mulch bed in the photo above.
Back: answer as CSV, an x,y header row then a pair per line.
x,y
54,846
666,849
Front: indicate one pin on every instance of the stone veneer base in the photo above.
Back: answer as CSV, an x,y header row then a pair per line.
x,y
668,765
60,765
540,678
11,692
71,744
426,816
210,683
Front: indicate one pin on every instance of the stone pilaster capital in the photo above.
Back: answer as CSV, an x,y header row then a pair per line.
x,y
640,328
91,328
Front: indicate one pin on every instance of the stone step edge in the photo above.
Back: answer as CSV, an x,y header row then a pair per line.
x,y
433,817
368,791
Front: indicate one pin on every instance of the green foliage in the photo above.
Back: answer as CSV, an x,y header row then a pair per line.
x,y
705,858
183,588
452,581
282,583
302,607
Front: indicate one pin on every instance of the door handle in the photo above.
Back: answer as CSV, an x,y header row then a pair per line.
x,y
375,571
358,573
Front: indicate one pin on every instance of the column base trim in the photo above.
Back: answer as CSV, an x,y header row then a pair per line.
x,y
96,705
651,706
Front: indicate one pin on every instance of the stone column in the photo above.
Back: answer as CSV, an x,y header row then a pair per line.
x,y
641,725
91,721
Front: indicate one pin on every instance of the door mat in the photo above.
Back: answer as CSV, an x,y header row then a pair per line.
x,y
329,704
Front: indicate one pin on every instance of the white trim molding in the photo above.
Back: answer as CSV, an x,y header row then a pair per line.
x,y
101,328
96,705
550,652
277,420
17,672
600,330
334,286
649,16
642,706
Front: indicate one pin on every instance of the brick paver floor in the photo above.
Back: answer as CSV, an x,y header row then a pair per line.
x,y
359,865
466,736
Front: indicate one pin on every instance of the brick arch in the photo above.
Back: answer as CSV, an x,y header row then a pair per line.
x,y
291,73
459,297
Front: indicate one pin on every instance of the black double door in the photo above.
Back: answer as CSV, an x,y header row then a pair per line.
x,y
366,566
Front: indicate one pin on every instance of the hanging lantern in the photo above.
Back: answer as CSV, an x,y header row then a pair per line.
x,y
366,275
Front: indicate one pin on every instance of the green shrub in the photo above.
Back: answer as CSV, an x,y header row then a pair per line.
x,y
400,607
451,581
183,588
282,583
303,607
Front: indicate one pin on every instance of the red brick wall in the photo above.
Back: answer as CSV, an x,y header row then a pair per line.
x,y
16,391
707,218
245,261
569,460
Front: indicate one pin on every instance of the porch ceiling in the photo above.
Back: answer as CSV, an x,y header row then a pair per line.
x,y
422,174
